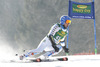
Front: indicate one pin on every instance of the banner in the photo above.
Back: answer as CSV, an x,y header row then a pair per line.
x,y
81,10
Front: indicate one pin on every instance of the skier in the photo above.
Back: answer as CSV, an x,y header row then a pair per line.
x,y
54,42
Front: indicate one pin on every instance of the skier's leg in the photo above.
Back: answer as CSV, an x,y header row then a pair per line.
x,y
39,49
50,53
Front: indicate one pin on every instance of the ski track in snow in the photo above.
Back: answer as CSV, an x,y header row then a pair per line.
x,y
74,61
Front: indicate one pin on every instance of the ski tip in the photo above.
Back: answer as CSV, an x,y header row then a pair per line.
x,y
63,59
37,60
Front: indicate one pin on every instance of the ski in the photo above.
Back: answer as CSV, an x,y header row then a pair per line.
x,y
49,59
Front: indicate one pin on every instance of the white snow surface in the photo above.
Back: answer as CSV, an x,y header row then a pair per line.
x,y
73,61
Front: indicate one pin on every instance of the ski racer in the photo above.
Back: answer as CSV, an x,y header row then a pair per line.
x,y
54,42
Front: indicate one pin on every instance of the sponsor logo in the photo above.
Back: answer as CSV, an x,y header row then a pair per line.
x,y
82,6
63,32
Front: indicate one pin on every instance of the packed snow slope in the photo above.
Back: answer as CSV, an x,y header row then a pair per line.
x,y
24,23
74,61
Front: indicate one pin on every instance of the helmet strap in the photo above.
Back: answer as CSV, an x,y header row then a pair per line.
x,y
64,27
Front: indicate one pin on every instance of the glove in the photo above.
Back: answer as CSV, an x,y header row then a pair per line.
x,y
56,48
66,49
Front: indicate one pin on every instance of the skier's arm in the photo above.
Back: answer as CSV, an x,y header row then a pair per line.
x,y
50,35
64,46
53,43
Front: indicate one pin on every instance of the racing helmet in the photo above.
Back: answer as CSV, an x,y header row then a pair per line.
x,y
65,19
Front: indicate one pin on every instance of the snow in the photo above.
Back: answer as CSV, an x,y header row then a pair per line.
x,y
73,61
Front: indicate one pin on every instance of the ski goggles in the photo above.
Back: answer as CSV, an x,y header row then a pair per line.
x,y
68,21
